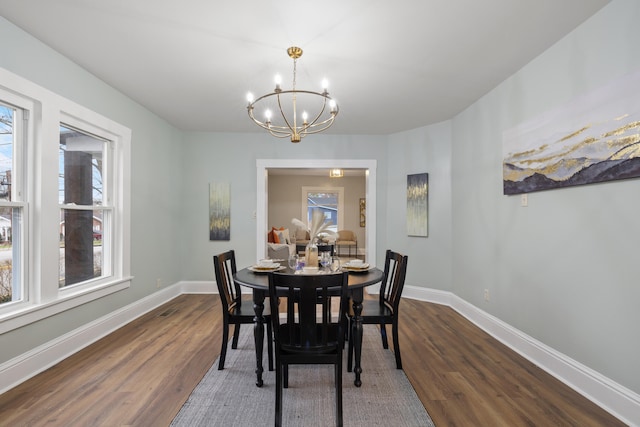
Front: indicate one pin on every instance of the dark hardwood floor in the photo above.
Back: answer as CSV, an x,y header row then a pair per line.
x,y
141,374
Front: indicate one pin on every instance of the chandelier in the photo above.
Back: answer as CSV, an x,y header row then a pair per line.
x,y
287,123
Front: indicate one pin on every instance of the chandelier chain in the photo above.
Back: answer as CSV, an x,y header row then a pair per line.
x,y
295,109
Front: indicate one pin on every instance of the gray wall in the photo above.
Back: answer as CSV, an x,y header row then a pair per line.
x,y
562,270
417,151
206,157
155,175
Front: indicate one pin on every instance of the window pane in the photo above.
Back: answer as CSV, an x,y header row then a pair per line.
x,y
10,217
80,183
80,246
10,281
81,156
6,151
327,202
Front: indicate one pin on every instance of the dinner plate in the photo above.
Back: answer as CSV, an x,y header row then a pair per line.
x,y
258,269
361,269
363,266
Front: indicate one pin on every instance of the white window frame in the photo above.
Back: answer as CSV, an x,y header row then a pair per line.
x,y
107,206
47,111
22,128
305,193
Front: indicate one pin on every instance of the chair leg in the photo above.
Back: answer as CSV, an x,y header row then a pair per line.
x,y
338,374
396,343
383,335
278,422
345,325
225,338
270,344
285,376
236,335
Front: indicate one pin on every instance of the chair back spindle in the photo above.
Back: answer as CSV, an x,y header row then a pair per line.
x,y
230,294
395,271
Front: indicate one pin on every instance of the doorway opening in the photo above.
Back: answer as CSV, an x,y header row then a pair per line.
x,y
263,167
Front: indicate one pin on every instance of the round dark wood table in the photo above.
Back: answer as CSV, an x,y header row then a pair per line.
x,y
259,283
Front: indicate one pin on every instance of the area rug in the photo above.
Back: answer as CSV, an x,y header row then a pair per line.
x,y
231,398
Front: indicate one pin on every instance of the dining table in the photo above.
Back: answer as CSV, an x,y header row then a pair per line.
x,y
258,281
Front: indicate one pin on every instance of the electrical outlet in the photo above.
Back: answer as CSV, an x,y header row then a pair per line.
x,y
158,283
524,200
486,294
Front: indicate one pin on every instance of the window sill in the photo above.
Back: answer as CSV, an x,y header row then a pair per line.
x,y
31,313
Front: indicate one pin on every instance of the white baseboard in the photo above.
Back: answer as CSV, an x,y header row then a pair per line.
x,y
611,396
31,363
614,398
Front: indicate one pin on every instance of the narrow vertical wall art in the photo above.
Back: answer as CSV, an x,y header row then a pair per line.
x,y
363,212
417,204
219,211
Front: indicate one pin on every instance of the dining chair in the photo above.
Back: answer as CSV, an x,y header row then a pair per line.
x,y
383,310
233,312
307,334
349,239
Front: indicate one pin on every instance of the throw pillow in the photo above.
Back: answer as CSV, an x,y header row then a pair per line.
x,y
274,232
283,236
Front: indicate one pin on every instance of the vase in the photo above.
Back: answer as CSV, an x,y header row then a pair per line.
x,y
311,254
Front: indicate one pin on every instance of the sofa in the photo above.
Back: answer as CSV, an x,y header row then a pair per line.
x,y
279,244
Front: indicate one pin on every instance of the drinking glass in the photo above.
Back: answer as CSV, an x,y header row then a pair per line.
x,y
293,261
325,259
335,264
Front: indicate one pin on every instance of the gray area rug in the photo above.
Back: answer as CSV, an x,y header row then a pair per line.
x,y
231,398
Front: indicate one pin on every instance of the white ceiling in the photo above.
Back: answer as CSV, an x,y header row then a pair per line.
x,y
392,65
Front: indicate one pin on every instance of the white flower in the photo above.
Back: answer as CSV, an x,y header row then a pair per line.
x,y
318,225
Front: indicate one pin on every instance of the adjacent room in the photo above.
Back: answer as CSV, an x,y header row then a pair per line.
x,y
412,213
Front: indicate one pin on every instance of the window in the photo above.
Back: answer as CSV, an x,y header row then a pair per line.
x,y
83,213
64,241
11,206
330,200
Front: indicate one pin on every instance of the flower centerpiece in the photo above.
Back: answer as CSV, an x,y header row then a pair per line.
x,y
318,226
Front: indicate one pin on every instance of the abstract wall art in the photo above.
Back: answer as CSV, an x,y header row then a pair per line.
x,y
594,138
417,204
219,211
